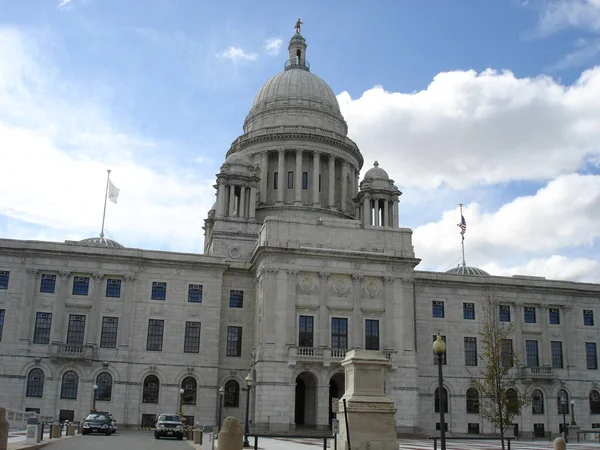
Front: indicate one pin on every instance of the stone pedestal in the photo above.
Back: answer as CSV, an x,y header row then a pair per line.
x,y
371,415
230,436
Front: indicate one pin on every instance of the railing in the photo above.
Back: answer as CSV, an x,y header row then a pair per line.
x,y
72,348
338,352
310,351
74,351
537,372
297,62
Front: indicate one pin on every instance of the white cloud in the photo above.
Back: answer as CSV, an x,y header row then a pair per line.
x,y
65,4
490,127
238,54
584,53
561,14
273,46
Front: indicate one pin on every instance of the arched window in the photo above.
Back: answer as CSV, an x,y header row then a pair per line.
x,y
563,407
537,402
472,401
594,402
189,387
512,402
436,396
104,382
232,394
151,388
35,383
69,385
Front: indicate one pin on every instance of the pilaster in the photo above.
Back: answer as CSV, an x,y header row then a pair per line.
x,y
58,319
95,310
27,304
357,325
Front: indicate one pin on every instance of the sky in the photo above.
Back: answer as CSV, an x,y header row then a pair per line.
x,y
492,104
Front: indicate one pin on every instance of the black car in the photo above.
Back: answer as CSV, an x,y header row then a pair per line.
x,y
169,425
98,423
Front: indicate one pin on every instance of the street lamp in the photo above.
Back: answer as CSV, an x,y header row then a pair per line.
x,y
181,391
563,402
249,382
221,392
94,398
439,348
573,414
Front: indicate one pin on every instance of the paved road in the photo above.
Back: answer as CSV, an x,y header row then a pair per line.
x,y
121,440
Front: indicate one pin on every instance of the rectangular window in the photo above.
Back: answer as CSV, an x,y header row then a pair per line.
x,y
43,324
81,285
557,354
506,353
76,330
469,311
473,428
290,180
590,355
470,351
306,331
108,335
504,313
588,317
529,314
275,180
195,293
304,180
531,352
435,357
48,283
320,182
159,290
155,335
234,341
339,332
113,288
4,279
371,334
554,316
438,308
2,314
191,341
236,299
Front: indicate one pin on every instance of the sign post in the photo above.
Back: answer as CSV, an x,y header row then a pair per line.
x,y
335,423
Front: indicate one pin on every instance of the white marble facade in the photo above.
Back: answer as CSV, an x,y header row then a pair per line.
x,y
301,263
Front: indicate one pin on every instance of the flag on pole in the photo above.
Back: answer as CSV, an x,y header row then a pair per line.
x,y
462,225
113,192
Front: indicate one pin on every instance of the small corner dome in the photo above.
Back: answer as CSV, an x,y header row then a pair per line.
x,y
468,270
100,242
238,159
376,173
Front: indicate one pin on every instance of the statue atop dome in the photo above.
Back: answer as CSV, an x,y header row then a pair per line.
x,y
297,26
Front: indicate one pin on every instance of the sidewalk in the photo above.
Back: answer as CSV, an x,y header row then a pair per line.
x,y
17,442
271,444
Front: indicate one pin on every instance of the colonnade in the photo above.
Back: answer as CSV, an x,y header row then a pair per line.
x,y
379,211
237,200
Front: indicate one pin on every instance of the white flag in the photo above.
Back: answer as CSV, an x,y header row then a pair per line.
x,y
113,192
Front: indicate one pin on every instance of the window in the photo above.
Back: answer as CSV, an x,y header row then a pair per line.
x,y
306,331
531,352
195,293
81,285
554,316
588,317
305,180
371,334
68,389
113,288
290,180
148,420
234,341
438,308
191,341
2,313
470,351
512,402
76,330
104,383
155,335
473,428
236,299
320,183
472,401
35,383
590,355
232,394
435,357
43,324
159,290
469,311
436,399
48,283
275,180
504,313
529,314
4,279
506,353
190,387
108,336
594,402
556,353
537,402
151,389
562,407
339,332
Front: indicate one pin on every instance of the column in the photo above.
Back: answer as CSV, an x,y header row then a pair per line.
x,y
298,178
331,182
264,170
58,316
544,350
356,324
343,177
519,345
568,325
222,200
28,305
242,207
376,208
395,214
366,210
316,171
322,338
95,311
231,200
388,340
281,181
386,213
252,203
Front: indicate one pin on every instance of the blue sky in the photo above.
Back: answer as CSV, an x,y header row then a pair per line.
x,y
493,104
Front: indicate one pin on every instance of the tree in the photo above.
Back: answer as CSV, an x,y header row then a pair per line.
x,y
499,398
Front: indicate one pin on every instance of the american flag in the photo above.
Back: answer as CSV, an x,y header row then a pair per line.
x,y
462,225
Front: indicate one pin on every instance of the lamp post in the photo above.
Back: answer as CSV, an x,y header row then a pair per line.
x,y
573,423
439,348
181,391
221,392
94,398
249,382
563,402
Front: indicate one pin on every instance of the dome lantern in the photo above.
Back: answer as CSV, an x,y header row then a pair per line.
x,y
297,51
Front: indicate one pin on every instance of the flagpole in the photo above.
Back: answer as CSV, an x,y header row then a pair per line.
x,y
104,212
462,242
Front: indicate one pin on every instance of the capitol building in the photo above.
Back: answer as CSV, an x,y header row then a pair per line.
x,y
304,259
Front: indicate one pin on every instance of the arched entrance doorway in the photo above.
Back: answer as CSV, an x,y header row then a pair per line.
x,y
337,387
306,400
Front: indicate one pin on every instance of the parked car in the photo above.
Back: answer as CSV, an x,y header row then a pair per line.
x,y
99,422
169,425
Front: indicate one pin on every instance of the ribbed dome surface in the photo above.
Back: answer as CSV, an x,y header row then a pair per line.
x,y
468,270
100,242
376,173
